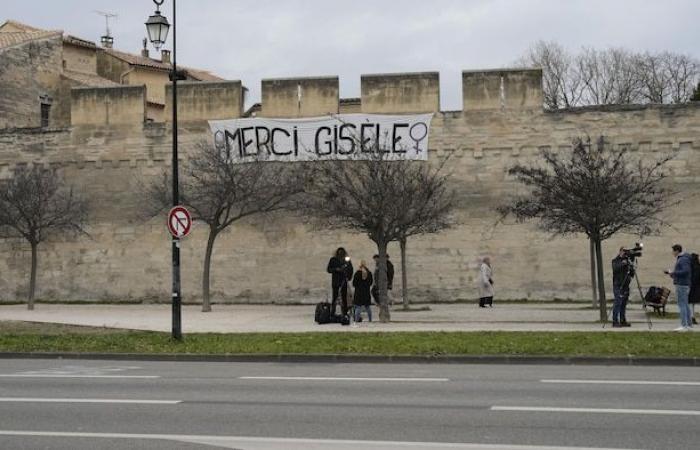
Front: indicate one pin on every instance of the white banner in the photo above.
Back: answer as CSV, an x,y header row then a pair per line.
x,y
343,136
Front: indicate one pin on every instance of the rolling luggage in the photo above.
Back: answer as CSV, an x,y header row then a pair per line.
x,y
323,313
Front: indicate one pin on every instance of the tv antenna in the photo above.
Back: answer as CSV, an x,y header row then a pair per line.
x,y
107,39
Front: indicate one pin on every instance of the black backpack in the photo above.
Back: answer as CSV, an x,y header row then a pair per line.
x,y
323,313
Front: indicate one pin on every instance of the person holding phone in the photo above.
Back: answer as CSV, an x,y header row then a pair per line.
x,y
340,268
681,275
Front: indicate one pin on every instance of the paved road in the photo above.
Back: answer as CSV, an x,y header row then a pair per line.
x,y
175,405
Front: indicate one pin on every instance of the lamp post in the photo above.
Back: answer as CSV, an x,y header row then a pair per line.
x,y
157,27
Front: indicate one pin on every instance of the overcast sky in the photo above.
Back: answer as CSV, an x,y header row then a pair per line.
x,y
254,39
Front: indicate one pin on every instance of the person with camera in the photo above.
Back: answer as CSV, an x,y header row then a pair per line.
x,y
682,274
340,268
623,271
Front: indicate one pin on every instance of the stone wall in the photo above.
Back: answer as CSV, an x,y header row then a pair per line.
x,y
28,72
279,259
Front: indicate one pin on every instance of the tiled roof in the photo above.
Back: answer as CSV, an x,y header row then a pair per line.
x,y
88,79
12,38
18,26
79,42
143,61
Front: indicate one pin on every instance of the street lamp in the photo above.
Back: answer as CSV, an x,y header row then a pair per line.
x,y
157,27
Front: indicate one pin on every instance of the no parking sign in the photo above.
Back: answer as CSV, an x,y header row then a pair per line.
x,y
179,221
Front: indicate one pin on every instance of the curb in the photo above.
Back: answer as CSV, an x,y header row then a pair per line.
x,y
339,358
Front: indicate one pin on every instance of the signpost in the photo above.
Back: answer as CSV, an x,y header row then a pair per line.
x,y
179,222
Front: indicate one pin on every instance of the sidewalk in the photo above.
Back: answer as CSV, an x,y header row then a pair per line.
x,y
287,319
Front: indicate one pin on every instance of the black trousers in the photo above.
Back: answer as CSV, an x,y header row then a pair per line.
x,y
483,301
340,292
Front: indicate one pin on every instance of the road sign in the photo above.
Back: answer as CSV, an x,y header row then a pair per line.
x,y
179,222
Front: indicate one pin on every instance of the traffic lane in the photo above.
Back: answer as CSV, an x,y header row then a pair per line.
x,y
342,420
456,372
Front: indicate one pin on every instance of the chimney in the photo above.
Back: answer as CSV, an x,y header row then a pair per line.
x,y
144,50
165,56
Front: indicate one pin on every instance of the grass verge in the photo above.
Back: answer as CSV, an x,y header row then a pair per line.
x,y
32,337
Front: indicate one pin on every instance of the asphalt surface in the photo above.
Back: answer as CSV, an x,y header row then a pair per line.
x,y
73,404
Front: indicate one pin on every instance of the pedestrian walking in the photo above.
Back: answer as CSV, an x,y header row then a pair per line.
x,y
485,283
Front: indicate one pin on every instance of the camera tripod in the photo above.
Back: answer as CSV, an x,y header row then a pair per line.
x,y
632,272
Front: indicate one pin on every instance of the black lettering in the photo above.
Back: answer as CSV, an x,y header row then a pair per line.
x,y
379,148
363,141
328,142
295,133
335,139
343,137
395,139
231,138
245,143
272,141
260,143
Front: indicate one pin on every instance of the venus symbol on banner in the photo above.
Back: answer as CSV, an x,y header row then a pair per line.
x,y
179,222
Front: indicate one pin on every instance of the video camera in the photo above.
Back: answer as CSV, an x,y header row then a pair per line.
x,y
634,252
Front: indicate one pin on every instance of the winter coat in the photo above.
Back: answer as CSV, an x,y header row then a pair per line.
x,y
484,282
682,272
362,287
621,275
694,296
340,271
389,275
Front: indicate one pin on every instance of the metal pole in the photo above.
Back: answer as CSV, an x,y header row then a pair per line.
x,y
177,295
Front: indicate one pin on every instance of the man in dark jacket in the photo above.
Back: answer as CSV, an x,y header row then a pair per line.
x,y
681,274
389,279
622,276
340,268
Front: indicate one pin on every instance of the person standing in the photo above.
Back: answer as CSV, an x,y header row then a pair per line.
x,y
681,275
389,279
622,276
485,283
362,282
340,268
694,294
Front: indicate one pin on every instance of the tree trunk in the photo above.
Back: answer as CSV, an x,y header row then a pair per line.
x,y
404,277
206,301
594,289
601,282
32,277
384,314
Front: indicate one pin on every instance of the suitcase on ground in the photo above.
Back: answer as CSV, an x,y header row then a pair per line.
x,y
323,313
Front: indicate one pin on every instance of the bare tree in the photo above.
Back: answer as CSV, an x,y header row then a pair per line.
x,y
611,76
220,192
35,204
428,203
380,198
561,81
594,190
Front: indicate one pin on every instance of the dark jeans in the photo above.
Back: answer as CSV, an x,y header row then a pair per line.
x,y
340,291
620,304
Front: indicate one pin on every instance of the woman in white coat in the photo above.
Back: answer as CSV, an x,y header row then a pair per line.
x,y
485,283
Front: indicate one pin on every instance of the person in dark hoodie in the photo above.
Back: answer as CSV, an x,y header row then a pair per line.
x,y
340,268
681,275
694,295
622,276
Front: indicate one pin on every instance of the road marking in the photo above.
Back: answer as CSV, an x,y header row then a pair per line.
x,y
87,400
430,380
259,443
21,375
651,383
663,412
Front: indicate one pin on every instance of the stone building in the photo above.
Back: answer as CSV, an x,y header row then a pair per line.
x,y
108,138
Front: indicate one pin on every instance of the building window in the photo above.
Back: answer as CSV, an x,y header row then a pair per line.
x,y
45,109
